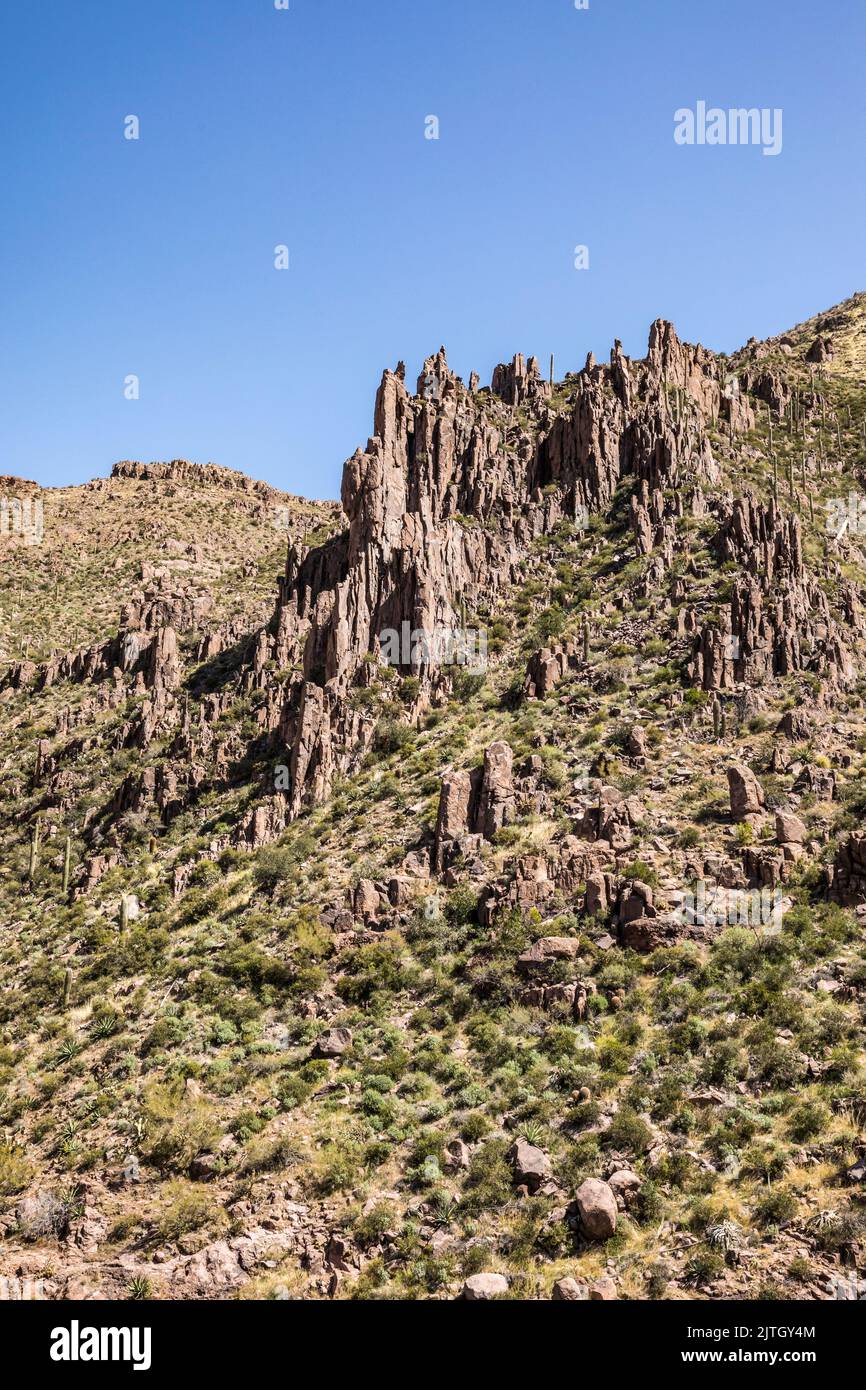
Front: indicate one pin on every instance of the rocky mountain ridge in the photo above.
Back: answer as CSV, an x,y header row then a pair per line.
x,y
251,847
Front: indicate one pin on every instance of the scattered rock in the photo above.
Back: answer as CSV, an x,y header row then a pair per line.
x,y
746,792
596,1205
603,1291
531,1165
570,1291
625,1186
333,1042
790,830
481,1288
457,1154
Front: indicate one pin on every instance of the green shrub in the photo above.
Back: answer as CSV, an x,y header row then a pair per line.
x,y
776,1206
374,1224
281,864
15,1170
489,1179
391,736
185,1207
466,683
263,1155
177,1127
705,1266
808,1120
628,1131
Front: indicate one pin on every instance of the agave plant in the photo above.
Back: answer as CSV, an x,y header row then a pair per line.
x,y
443,1208
73,1200
104,1026
532,1131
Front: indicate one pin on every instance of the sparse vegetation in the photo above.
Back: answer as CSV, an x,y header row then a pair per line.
x,y
346,1004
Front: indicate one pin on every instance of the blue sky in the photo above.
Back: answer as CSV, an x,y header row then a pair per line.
x,y
306,128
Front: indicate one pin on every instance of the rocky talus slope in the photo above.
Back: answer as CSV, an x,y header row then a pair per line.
x,y
328,973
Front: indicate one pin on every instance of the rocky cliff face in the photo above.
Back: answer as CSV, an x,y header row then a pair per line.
x,y
441,511
451,490
258,811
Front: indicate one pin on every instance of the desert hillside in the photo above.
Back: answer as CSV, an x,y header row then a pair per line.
x,y
459,890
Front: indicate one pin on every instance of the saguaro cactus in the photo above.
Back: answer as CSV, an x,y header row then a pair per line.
x,y
67,986
34,851
67,864
586,642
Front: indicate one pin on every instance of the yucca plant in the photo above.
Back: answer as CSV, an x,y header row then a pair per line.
x,y
726,1238
443,1208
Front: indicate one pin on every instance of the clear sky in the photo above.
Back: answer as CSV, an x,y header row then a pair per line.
x,y
261,127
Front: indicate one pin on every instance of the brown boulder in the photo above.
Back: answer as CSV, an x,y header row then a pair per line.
x,y
543,952
496,799
746,792
570,1291
333,1042
625,1186
531,1165
366,900
596,1205
481,1288
790,830
603,1291
454,800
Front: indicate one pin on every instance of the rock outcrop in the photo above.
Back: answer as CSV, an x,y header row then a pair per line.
x,y
847,873
746,792
596,1205
476,803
